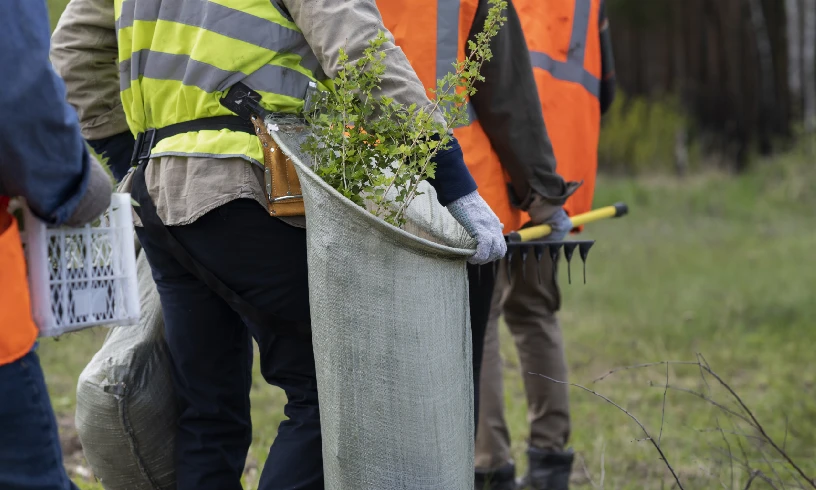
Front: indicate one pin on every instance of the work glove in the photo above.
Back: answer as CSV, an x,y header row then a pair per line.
x,y
97,196
476,217
543,213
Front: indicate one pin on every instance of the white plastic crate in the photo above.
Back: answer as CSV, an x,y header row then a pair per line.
x,y
82,277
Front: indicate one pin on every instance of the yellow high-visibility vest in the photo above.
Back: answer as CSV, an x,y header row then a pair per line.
x,y
178,58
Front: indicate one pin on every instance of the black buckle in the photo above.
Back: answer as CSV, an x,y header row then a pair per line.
x,y
243,101
144,145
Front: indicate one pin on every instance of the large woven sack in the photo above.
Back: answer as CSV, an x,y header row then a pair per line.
x,y
126,411
392,341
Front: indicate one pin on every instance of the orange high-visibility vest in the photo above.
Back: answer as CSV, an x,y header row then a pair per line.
x,y
563,37
433,35
17,329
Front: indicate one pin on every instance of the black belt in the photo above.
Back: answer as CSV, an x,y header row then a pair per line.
x,y
153,224
145,142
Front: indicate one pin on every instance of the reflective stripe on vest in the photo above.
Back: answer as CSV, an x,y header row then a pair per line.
x,y
177,58
420,33
17,330
447,43
573,69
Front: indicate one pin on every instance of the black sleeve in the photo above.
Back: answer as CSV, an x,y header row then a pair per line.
x,y
118,149
608,82
507,107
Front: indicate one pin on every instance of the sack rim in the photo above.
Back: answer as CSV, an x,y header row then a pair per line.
x,y
407,239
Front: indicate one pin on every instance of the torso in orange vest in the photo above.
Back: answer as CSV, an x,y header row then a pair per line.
x,y
433,35
564,42
17,330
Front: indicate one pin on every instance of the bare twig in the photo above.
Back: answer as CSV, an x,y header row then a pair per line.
x,y
663,411
728,445
646,432
751,479
702,375
747,467
759,426
749,416
638,366
712,401
741,434
772,466
758,444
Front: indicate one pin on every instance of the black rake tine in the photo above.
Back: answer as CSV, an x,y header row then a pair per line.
x,y
554,248
569,249
583,250
524,262
538,250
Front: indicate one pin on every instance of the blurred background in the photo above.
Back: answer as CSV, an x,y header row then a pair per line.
x,y
711,142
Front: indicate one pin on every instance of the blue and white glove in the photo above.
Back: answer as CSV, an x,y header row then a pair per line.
x,y
476,217
544,213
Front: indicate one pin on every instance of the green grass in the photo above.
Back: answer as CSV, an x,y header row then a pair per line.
x,y
55,8
711,264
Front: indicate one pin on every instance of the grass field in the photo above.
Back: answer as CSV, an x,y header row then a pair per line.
x,y
715,265
711,264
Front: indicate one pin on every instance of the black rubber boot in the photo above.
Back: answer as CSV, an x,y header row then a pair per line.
x,y
549,470
501,479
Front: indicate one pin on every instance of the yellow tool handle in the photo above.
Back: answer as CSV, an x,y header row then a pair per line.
x,y
540,231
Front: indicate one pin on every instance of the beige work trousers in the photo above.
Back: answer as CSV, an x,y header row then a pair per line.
x,y
529,310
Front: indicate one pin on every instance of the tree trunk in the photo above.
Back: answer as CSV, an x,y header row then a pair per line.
x,y
809,58
767,88
793,19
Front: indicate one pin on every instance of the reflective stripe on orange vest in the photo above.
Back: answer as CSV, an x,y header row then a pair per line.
x,y
17,329
433,35
563,37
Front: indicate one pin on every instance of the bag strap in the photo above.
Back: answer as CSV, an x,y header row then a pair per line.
x,y
153,224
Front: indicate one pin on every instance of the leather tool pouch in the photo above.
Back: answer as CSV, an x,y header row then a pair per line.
x,y
281,183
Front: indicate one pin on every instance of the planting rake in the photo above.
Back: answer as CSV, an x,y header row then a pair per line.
x,y
531,241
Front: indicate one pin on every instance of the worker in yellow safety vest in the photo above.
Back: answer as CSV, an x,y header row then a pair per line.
x,y
184,78
571,52
44,161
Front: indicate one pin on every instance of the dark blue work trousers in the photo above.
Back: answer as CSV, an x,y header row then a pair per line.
x,y
264,261
30,452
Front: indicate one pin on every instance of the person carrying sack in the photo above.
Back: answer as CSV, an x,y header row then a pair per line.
x,y
228,255
43,160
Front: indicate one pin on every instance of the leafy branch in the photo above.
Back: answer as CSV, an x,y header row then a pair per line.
x,y
376,151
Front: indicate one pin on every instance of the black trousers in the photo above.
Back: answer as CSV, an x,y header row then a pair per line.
x,y
263,260
482,280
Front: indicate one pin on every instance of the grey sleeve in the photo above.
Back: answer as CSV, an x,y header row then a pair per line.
x,y
84,52
329,25
507,106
